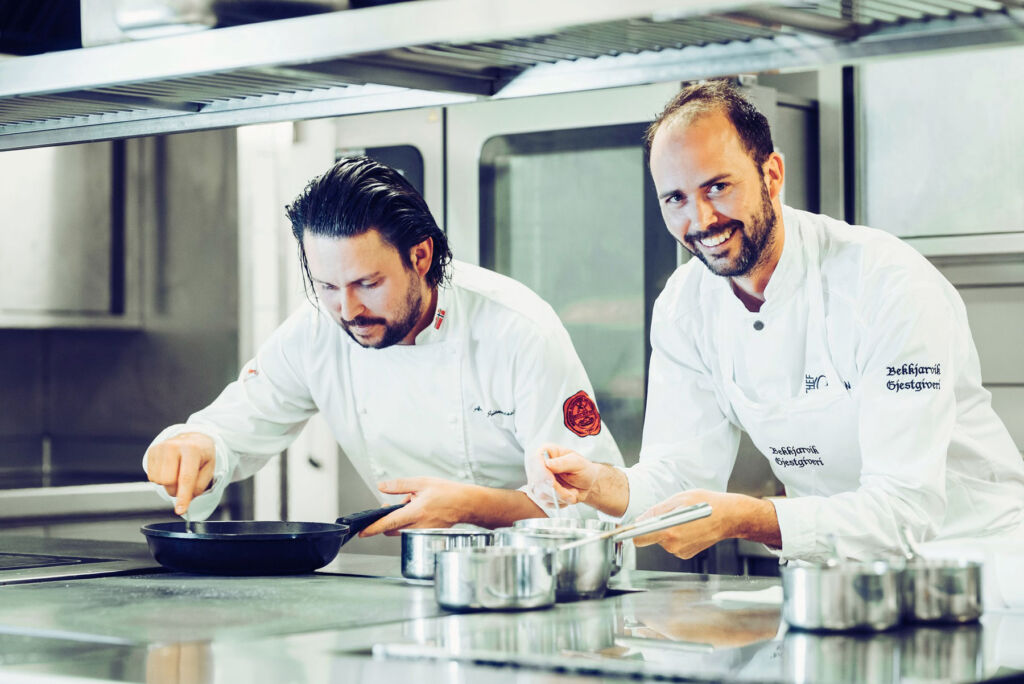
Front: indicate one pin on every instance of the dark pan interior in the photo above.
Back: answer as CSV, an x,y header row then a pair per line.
x,y
245,547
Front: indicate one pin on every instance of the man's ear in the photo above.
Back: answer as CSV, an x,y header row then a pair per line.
x,y
421,256
774,173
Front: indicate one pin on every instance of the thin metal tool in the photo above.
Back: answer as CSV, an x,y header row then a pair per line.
x,y
834,560
554,494
188,522
655,524
906,539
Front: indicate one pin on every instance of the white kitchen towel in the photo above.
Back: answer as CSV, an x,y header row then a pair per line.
x,y
770,596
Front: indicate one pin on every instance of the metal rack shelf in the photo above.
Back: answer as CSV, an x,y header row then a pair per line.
x,y
444,51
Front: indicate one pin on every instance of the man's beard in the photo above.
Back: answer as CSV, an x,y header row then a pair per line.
x,y
753,243
394,331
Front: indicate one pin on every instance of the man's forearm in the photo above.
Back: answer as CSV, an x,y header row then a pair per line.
x,y
491,507
758,522
609,492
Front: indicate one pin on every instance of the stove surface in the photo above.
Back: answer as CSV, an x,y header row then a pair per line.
x,y
20,561
33,559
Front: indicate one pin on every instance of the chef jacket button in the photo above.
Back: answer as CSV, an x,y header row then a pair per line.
x,y
758,325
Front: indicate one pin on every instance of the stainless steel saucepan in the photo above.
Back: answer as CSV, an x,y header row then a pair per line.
x,y
842,596
419,546
947,591
575,524
539,565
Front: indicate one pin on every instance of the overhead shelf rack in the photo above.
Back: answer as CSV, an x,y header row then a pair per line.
x,y
443,51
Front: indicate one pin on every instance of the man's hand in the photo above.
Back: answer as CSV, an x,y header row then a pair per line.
x,y
576,480
430,502
732,516
183,465
434,502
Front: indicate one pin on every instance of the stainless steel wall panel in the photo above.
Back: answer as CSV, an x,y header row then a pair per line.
x,y
55,227
941,143
88,402
1008,403
996,315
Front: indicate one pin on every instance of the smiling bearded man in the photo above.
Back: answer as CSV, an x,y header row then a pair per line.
x,y
842,353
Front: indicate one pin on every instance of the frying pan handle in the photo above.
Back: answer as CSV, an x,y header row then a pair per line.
x,y
357,522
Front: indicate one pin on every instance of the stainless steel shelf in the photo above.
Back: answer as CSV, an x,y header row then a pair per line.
x,y
442,51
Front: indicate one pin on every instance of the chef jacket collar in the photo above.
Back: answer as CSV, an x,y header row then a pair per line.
x,y
438,329
788,274
431,334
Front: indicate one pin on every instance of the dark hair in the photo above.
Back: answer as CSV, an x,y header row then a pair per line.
x,y
358,194
723,96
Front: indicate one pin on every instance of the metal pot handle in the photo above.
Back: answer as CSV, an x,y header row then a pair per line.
x,y
663,521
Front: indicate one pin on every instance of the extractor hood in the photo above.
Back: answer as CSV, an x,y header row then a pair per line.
x,y
430,52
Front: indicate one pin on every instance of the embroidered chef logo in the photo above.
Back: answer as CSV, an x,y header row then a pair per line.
x,y
494,412
581,415
812,383
797,458
913,377
439,319
250,373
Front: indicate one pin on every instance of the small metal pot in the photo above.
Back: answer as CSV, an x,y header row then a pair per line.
x,y
494,578
584,568
846,596
420,546
516,576
575,524
582,571
946,591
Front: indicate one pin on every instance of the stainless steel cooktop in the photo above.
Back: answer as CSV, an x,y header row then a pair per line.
x,y
31,559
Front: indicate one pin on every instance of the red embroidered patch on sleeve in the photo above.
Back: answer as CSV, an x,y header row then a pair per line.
x,y
581,415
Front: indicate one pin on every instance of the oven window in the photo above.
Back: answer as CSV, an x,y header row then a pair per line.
x,y
574,216
406,159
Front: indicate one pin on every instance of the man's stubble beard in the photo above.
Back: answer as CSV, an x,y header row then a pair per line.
x,y
754,244
394,332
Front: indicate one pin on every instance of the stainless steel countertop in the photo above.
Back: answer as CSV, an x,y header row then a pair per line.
x,y
96,558
326,626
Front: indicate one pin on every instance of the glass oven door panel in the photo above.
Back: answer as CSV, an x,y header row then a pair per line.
x,y
573,215
470,126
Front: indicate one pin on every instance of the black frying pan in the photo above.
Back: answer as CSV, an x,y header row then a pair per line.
x,y
255,547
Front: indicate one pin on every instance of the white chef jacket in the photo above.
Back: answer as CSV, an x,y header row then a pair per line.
x,y
859,381
491,379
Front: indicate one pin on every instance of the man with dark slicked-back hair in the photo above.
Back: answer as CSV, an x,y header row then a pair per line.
x,y
435,376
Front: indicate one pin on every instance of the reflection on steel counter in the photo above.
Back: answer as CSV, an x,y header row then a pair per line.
x,y
681,634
